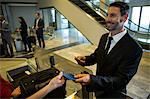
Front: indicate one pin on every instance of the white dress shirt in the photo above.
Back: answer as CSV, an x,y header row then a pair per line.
x,y
37,21
116,38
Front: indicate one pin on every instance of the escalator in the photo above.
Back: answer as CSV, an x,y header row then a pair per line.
x,y
83,22
89,10
138,36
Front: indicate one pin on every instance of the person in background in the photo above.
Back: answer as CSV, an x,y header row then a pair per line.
x,y
118,56
24,33
6,37
38,26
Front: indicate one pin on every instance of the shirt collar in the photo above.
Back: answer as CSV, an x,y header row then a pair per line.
x,y
118,36
39,18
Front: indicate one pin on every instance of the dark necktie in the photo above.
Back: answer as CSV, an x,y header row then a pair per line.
x,y
108,44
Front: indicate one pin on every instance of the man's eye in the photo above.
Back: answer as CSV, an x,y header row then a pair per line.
x,y
112,15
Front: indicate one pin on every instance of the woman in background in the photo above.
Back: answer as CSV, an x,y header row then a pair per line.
x,y
24,33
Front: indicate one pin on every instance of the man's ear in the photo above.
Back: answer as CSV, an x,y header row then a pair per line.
x,y
121,20
125,17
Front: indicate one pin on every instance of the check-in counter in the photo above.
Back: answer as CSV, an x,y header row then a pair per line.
x,y
43,62
65,65
7,64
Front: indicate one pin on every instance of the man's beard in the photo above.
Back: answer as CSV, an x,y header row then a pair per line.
x,y
112,26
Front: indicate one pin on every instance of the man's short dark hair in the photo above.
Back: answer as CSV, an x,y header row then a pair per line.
x,y
124,7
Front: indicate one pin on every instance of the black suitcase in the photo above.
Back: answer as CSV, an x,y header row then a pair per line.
x,y
19,45
34,82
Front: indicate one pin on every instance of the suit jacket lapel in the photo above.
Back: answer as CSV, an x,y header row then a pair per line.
x,y
104,44
104,40
119,44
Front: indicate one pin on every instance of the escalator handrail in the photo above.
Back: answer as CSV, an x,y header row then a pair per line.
x,y
99,8
91,7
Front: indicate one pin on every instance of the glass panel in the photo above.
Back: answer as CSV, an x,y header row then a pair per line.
x,y
135,18
53,14
95,2
111,1
145,18
64,22
93,5
127,23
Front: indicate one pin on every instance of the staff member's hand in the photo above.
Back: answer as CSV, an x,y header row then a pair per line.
x,y
84,79
53,84
80,60
57,81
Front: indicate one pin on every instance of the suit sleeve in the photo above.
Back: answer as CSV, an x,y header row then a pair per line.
x,y
34,23
92,59
126,70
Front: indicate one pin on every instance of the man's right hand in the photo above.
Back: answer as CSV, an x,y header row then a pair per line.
x,y
80,60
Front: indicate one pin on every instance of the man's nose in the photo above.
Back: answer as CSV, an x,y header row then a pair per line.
x,y
107,19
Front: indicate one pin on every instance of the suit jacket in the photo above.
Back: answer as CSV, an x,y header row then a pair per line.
x,y
40,25
5,31
115,69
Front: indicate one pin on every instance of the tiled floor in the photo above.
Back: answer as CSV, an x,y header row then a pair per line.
x,y
139,86
64,36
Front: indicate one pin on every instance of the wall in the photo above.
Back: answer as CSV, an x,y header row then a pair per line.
x,y
139,2
26,12
12,11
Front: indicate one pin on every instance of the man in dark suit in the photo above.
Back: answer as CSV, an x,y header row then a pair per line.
x,y
38,26
6,37
117,57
